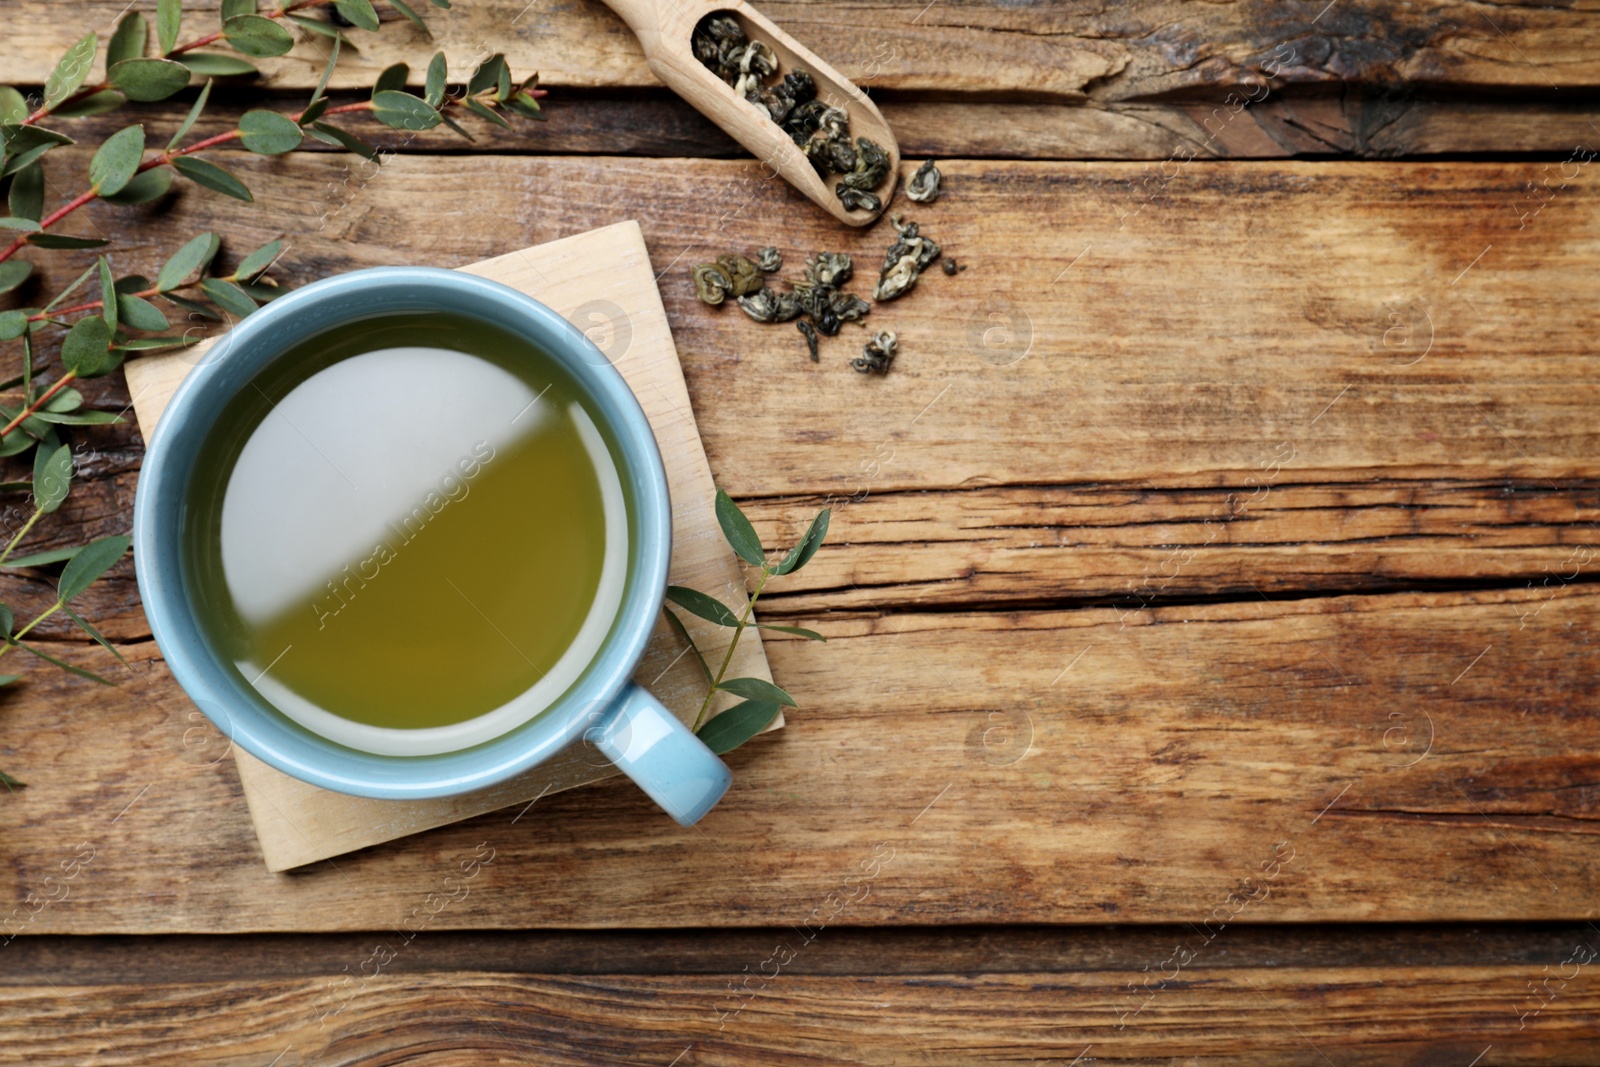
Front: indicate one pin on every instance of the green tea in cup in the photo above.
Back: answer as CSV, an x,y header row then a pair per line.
x,y
408,534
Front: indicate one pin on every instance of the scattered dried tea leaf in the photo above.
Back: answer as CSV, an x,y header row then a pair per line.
x,y
857,199
769,305
924,184
744,276
877,354
711,283
829,268
810,333
906,259
769,259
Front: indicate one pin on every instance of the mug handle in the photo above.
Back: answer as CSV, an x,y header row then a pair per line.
x,y
653,747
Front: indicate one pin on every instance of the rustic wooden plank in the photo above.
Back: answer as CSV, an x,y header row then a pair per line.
x,y
1294,1016
1300,123
1082,766
1282,322
1130,50
1074,545
150,959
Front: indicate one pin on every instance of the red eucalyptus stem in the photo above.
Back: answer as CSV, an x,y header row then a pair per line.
x,y
44,398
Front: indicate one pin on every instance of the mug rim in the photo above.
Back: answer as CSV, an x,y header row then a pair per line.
x,y
189,418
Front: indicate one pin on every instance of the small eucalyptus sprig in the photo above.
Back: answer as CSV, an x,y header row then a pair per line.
x,y
762,699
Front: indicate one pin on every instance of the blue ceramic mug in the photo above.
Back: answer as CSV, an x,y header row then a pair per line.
x,y
604,707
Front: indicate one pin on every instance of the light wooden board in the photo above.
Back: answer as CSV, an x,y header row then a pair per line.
x,y
601,281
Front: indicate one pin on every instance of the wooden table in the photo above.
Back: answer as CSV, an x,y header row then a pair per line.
x,y
1211,673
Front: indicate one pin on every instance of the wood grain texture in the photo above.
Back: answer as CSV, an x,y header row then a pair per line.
x,y
1384,758
1233,325
603,275
1309,122
1287,1016
1123,51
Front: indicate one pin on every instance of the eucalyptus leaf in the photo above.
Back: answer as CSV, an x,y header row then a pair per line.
x,y
801,554
151,344
798,631
63,664
25,144
69,399
70,71
526,106
215,64
99,638
403,111
185,261
405,9
349,141
231,8
316,26
194,113
482,110
85,351
737,529
16,443
268,133
13,323
139,314
228,296
487,74
313,112
13,272
327,71
93,104
52,478
13,106
391,77
258,261
358,13
39,559
683,632
195,309
257,36
128,42
698,603
95,559
206,173
757,689
83,418
456,126
442,3
437,82
737,725
144,187
148,79
169,16
25,225
5,779
108,294
57,240
262,291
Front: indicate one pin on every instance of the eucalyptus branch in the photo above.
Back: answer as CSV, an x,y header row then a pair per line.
x,y
733,727
45,110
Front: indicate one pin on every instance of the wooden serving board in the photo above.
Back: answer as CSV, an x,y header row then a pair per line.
x,y
602,282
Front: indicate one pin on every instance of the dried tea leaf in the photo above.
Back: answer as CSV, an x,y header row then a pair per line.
x,y
743,276
924,184
810,333
769,259
711,283
906,259
768,305
877,354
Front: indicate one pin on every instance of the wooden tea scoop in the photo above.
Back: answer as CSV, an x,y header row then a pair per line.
x,y
664,28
